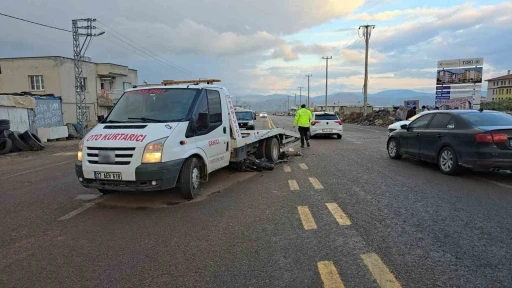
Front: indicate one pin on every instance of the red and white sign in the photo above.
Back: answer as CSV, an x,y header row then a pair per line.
x,y
234,122
117,137
213,142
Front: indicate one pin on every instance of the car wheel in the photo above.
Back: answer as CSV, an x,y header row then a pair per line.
x,y
190,178
338,136
447,161
393,151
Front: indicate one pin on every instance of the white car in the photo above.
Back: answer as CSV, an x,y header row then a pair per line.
x,y
263,115
396,126
326,123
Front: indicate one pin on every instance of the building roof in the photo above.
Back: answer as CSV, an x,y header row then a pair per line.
x,y
62,57
504,77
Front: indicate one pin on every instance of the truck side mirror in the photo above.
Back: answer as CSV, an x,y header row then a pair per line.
x,y
203,121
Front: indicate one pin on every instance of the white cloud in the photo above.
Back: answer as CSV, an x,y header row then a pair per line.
x,y
357,56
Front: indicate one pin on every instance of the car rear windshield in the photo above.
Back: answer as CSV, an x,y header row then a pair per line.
x,y
244,116
488,119
166,105
326,117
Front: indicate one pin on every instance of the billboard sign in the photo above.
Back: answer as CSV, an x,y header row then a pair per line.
x,y
411,103
455,103
459,76
456,63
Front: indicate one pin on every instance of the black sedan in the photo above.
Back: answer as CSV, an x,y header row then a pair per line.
x,y
480,140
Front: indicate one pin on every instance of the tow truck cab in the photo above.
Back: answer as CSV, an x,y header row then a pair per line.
x,y
154,134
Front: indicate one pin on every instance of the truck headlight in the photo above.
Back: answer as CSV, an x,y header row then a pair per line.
x,y
251,123
80,149
153,151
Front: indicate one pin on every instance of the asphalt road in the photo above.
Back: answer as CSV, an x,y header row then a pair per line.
x,y
342,215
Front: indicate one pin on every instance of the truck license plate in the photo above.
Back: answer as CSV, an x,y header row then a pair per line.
x,y
107,176
326,130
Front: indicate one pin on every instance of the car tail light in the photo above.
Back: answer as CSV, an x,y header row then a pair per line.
x,y
491,138
339,122
314,122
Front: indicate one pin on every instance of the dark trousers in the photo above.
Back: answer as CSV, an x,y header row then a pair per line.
x,y
304,134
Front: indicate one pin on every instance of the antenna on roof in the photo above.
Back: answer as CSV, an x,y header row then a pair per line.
x,y
192,82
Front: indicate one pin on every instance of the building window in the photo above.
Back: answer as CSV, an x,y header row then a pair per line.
x,y
127,85
36,82
83,83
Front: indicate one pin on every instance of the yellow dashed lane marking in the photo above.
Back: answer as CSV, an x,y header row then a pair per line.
x,y
380,271
315,183
303,166
287,168
329,275
293,185
307,219
338,214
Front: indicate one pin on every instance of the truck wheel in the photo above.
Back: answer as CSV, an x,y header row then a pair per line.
x,y
190,176
272,149
260,154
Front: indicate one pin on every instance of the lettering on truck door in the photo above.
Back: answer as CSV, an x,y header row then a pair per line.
x,y
213,140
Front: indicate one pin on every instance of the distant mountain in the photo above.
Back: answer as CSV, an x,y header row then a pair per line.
x,y
275,102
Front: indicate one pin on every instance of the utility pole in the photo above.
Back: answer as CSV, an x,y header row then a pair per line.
x,y
309,76
289,102
367,33
300,97
326,76
79,49
295,101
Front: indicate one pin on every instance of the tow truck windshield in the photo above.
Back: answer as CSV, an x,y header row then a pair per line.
x,y
153,105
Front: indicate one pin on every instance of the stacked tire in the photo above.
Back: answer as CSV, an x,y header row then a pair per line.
x,y
14,141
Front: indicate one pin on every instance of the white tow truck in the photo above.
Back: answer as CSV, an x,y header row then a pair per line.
x,y
176,134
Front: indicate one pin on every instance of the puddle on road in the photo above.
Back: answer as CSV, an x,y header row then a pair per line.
x,y
218,181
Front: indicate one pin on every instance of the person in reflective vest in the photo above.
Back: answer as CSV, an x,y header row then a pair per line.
x,y
302,120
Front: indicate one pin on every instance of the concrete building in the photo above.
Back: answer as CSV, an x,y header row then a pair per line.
x,y
104,83
499,88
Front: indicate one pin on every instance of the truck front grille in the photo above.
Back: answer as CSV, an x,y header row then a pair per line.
x,y
123,155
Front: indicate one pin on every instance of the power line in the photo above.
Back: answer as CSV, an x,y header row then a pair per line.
x,y
145,50
32,22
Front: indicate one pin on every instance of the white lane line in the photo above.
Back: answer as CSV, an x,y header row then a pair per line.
x,y
293,185
291,149
81,209
315,183
37,169
495,183
303,166
65,154
287,169
353,126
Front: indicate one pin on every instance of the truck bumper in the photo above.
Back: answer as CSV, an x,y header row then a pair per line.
x,y
148,177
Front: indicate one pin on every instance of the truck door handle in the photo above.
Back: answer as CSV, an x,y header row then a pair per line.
x,y
439,135
418,134
224,129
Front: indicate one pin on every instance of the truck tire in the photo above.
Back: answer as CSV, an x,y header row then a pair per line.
x,y
5,146
17,143
106,192
32,140
272,149
260,154
5,124
5,133
190,176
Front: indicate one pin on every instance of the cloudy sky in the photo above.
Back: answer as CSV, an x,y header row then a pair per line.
x,y
268,46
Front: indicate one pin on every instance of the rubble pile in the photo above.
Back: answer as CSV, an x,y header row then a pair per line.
x,y
381,118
